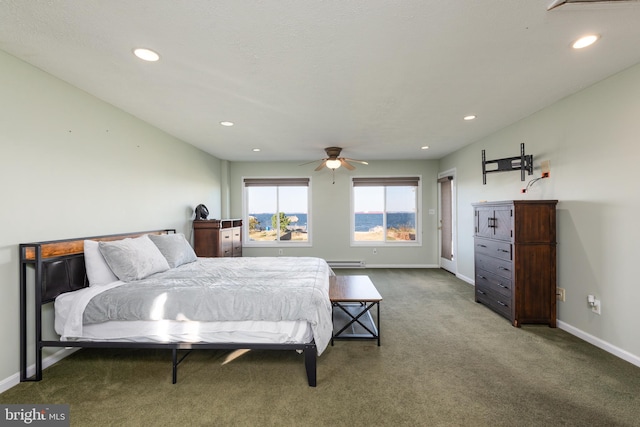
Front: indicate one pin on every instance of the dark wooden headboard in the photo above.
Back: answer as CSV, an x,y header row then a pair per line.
x,y
59,264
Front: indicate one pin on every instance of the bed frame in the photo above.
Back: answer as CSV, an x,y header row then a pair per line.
x,y
59,268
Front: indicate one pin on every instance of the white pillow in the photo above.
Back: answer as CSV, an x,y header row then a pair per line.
x,y
133,259
98,272
175,248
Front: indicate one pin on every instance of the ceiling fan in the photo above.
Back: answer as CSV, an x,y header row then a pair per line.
x,y
333,162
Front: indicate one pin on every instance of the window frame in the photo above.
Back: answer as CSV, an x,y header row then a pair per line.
x,y
390,181
274,182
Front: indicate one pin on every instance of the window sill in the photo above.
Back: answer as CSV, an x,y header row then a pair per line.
x,y
277,245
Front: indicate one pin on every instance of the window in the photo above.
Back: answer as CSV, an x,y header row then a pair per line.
x,y
276,211
385,210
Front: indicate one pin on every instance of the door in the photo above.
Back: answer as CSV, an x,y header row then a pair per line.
x,y
446,221
502,217
484,221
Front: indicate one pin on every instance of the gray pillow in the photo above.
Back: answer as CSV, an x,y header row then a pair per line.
x,y
175,248
133,259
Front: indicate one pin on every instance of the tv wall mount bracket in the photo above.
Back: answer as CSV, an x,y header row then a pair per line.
x,y
523,162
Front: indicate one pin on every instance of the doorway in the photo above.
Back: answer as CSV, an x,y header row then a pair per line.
x,y
447,221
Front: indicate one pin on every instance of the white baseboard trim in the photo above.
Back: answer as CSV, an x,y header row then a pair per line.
x,y
402,266
9,382
14,379
466,279
609,348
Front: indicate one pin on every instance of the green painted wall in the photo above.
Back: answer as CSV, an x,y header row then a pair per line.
x,y
72,166
592,140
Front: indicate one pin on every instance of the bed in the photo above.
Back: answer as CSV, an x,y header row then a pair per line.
x,y
149,290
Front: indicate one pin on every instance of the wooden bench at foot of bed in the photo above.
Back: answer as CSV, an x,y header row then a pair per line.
x,y
355,296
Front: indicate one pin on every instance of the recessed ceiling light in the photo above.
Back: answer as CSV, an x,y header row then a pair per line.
x,y
226,123
425,147
469,117
585,41
256,150
146,54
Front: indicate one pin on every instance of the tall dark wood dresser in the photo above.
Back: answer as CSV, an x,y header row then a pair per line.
x,y
515,259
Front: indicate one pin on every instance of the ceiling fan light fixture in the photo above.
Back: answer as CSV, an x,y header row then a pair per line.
x,y
333,163
333,160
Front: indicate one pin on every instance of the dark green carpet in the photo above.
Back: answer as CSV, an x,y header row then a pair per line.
x,y
444,360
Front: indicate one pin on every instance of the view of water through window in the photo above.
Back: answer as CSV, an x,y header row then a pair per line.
x,y
278,214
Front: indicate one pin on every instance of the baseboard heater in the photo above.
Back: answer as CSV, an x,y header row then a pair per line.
x,y
346,264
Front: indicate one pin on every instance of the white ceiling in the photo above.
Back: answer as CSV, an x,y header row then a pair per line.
x,y
380,78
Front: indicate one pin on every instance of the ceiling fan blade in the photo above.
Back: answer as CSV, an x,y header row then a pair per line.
x,y
357,161
324,162
312,161
346,164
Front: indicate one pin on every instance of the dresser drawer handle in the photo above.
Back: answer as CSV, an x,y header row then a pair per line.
x,y
481,276
502,304
503,250
481,292
480,246
503,268
502,286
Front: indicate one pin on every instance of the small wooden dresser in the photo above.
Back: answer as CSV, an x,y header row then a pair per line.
x,y
217,237
515,259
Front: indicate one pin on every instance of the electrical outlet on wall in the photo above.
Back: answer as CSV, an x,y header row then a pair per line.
x,y
595,304
560,294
